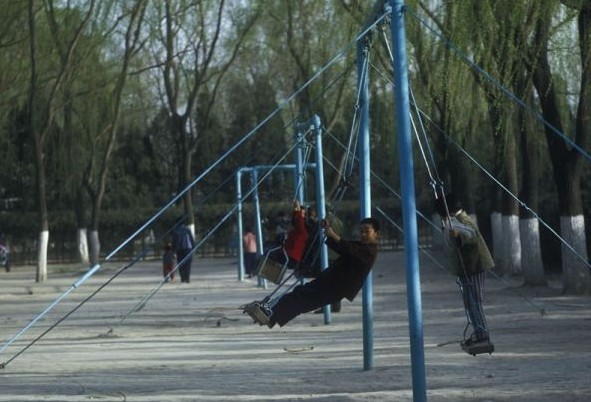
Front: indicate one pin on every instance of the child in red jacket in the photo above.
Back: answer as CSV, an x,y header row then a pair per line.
x,y
297,237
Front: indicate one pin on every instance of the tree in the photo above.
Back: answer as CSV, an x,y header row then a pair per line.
x,y
567,160
194,64
41,117
131,45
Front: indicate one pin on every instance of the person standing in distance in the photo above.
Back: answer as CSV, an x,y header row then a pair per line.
x,y
183,243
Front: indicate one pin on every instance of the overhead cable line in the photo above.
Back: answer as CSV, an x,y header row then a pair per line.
x,y
500,86
92,270
503,187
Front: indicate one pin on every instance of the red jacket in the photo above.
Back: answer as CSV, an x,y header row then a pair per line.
x,y
297,237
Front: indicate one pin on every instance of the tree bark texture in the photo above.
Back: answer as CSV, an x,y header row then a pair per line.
x,y
511,244
531,253
497,234
575,272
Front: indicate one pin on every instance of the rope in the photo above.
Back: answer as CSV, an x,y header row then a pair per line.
x,y
141,304
491,176
419,142
137,258
521,203
355,123
503,89
204,173
142,254
541,310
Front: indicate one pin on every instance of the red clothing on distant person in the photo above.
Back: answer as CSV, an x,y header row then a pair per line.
x,y
297,237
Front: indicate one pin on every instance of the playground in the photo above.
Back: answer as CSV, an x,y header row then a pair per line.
x,y
191,342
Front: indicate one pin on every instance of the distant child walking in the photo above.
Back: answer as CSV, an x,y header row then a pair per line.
x,y
168,262
249,243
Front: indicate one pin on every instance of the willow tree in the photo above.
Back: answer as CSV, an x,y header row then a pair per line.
x,y
448,88
564,100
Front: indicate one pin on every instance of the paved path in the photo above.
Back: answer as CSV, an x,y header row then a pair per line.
x,y
192,343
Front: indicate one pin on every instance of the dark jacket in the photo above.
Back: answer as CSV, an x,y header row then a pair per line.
x,y
182,239
348,272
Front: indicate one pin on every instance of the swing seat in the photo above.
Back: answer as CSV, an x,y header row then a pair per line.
x,y
272,270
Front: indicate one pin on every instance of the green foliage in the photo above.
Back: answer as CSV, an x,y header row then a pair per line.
x,y
289,44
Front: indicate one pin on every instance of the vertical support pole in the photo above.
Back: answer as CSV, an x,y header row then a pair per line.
x,y
365,194
239,224
321,201
408,201
259,227
299,171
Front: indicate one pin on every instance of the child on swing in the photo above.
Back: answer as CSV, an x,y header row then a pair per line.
x,y
470,261
341,279
296,240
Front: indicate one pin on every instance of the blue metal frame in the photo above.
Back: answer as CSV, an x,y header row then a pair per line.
x,y
409,209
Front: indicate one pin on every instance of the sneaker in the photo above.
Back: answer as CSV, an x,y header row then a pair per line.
x,y
474,346
259,312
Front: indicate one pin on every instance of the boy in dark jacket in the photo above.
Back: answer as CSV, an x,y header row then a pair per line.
x,y
341,279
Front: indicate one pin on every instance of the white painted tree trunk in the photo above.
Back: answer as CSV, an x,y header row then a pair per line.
x,y
95,247
531,253
192,229
497,236
575,273
42,246
82,241
511,244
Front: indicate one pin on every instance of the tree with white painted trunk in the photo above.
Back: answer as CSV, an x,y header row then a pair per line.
x,y
133,15
529,226
46,84
567,160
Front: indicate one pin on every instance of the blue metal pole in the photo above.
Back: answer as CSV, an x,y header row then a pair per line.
x,y
408,201
299,171
365,196
257,207
321,201
239,223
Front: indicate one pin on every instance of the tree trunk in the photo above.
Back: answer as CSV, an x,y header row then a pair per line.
x,y
497,235
39,154
82,242
529,227
511,245
507,251
531,253
42,245
566,159
81,233
132,36
575,275
95,247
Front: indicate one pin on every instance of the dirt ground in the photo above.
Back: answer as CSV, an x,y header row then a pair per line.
x,y
192,343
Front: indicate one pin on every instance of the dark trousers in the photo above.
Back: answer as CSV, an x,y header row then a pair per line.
x,y
303,299
471,287
185,267
250,263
